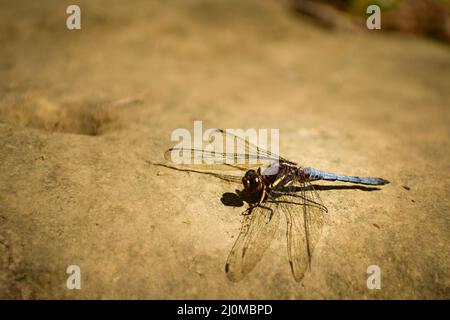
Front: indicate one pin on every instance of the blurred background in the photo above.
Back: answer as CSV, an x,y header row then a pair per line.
x,y
83,112
421,17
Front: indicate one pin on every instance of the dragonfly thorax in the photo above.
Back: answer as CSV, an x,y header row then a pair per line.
x,y
252,181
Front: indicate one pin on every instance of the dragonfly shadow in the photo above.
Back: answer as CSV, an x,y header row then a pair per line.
x,y
340,187
239,198
231,199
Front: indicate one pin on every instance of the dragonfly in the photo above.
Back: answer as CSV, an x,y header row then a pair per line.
x,y
272,186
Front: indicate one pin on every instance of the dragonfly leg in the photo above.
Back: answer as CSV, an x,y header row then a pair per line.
x,y
263,195
258,204
269,216
304,201
247,211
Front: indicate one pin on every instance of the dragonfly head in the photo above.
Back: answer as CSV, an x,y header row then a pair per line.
x,y
252,181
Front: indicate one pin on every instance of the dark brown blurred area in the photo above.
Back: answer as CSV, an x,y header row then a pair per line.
x,y
421,17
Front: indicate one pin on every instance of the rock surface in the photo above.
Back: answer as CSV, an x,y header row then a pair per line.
x,y
84,112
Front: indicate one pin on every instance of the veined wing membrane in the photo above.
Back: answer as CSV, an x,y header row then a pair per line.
x,y
246,145
304,226
205,159
224,149
257,231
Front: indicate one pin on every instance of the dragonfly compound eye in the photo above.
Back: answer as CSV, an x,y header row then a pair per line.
x,y
250,174
251,181
246,183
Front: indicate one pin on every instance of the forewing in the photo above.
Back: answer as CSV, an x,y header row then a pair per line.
x,y
252,148
257,231
213,160
223,151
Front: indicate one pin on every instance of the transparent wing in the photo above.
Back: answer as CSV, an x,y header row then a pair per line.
x,y
257,231
213,160
236,178
252,148
223,150
305,217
